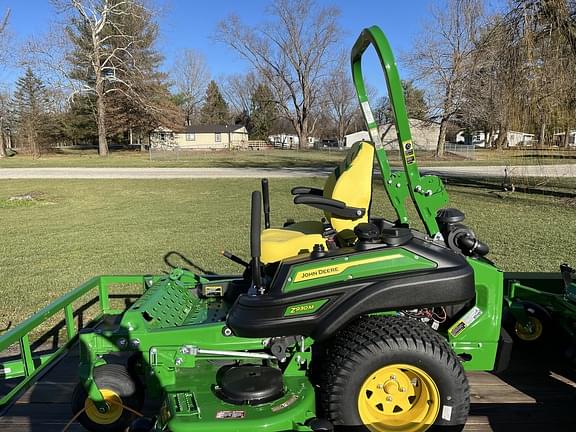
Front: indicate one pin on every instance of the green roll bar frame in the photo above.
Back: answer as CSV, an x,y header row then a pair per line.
x,y
426,192
30,367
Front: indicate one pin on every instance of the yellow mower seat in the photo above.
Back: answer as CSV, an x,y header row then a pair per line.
x,y
281,243
351,183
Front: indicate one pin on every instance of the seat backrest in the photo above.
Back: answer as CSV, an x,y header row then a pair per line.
x,y
351,182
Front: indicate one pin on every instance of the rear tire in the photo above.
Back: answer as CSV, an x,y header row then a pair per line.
x,y
393,373
116,385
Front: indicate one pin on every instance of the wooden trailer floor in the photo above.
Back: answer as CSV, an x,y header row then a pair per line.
x,y
533,393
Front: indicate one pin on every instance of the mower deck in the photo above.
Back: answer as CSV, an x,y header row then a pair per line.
x,y
531,395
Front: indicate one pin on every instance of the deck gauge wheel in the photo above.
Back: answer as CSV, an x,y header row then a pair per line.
x,y
119,389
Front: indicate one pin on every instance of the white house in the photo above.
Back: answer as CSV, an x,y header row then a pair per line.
x,y
285,140
559,138
201,137
516,139
353,137
424,134
483,139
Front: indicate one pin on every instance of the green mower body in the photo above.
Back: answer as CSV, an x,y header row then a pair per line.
x,y
186,327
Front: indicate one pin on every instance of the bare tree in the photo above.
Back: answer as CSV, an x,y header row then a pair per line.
x,y
443,56
191,76
3,100
238,90
292,53
492,95
524,76
340,97
5,105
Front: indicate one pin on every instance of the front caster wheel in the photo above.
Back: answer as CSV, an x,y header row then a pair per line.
x,y
120,390
393,374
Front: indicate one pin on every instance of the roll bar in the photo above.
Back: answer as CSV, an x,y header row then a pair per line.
x,y
426,192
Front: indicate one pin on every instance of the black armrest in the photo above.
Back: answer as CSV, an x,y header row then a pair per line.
x,y
337,208
301,190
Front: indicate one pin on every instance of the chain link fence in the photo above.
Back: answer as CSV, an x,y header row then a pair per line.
x,y
464,151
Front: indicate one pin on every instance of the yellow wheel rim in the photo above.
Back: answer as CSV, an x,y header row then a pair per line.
x,y
530,332
399,397
114,408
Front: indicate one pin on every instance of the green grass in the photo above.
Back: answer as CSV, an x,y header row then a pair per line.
x,y
554,186
78,229
272,159
190,159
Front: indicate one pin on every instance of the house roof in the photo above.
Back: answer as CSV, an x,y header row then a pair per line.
x,y
212,128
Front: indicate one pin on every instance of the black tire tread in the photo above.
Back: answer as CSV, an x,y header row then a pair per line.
x,y
372,334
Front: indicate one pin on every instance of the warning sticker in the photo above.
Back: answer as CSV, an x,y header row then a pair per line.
x,y
447,413
467,320
409,152
223,415
367,112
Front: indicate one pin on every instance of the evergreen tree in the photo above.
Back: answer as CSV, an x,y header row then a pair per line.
x,y
215,108
30,111
263,113
415,100
78,124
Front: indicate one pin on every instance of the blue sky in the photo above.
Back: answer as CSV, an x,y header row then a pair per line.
x,y
191,24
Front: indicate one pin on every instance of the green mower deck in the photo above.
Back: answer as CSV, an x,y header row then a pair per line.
x,y
533,394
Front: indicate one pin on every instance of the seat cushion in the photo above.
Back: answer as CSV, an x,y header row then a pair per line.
x,y
282,243
351,182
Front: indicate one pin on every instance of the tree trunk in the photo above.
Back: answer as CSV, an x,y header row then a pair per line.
x,y
542,134
447,104
566,136
101,120
341,133
441,138
489,141
3,153
502,137
302,132
100,105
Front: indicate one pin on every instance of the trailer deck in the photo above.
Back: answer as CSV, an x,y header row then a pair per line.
x,y
532,394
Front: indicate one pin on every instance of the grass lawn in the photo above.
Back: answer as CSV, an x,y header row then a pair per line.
x,y
190,159
273,159
77,229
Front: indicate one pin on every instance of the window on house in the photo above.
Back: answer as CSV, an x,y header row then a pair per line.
x,y
217,137
190,137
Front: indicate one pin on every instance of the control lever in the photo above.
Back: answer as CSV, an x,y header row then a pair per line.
x,y
266,203
255,241
567,274
235,258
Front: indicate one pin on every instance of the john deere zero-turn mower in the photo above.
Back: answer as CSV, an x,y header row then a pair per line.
x,y
348,321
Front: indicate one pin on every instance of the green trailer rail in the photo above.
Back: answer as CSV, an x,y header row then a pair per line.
x,y
30,367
